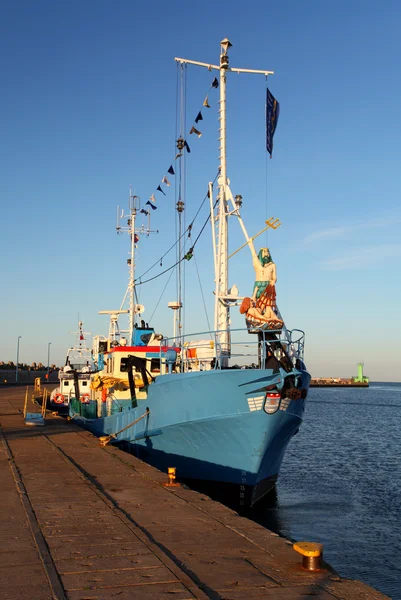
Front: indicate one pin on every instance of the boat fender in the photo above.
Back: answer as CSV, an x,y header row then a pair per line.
x,y
104,394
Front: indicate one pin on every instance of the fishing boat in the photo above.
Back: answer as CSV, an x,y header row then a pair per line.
x,y
218,406
74,377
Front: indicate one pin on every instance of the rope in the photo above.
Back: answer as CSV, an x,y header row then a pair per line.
x,y
181,259
161,296
266,163
107,439
203,298
159,260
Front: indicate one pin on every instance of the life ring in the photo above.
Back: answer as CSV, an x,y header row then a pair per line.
x,y
58,399
85,398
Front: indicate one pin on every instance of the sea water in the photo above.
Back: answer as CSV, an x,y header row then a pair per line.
x,y
340,483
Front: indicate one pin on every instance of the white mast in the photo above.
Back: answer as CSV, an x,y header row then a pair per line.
x,y
131,284
133,232
222,311
80,343
220,220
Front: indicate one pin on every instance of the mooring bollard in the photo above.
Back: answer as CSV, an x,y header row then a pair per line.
x,y
311,553
171,474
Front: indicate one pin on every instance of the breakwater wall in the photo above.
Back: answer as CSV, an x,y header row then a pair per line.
x,y
8,376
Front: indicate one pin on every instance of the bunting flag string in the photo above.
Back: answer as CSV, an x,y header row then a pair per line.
x,y
194,130
184,145
152,202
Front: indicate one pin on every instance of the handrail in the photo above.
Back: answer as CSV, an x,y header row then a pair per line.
x,y
290,341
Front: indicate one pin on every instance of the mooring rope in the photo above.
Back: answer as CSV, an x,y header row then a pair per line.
x,y
106,439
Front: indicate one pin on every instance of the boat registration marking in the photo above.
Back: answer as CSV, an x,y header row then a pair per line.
x,y
255,403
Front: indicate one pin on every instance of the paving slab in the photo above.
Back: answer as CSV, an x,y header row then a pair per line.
x,y
95,523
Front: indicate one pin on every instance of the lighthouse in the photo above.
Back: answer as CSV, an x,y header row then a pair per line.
x,y
360,378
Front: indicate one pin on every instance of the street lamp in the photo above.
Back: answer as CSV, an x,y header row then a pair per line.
x,y
16,366
48,360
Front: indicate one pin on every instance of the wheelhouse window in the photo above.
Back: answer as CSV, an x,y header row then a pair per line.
x,y
66,383
155,365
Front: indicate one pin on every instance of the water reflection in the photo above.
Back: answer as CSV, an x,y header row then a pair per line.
x,y
340,484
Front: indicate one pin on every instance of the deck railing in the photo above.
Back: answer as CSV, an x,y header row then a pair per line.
x,y
240,348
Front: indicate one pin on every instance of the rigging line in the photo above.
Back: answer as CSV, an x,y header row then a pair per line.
x,y
177,111
164,255
203,201
182,310
178,261
189,228
161,296
203,298
266,179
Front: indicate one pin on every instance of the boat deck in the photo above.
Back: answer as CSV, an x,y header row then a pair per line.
x,y
83,522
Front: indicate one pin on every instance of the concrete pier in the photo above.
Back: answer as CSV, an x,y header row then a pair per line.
x,y
82,522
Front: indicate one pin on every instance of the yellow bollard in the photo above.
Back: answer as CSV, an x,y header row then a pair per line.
x,y
37,387
311,553
171,474
25,402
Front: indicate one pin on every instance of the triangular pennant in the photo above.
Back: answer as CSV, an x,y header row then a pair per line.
x,y
199,117
194,130
166,181
215,83
144,212
151,205
159,189
136,239
171,170
206,102
187,147
178,155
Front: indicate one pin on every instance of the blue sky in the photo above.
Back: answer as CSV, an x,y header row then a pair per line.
x,y
88,107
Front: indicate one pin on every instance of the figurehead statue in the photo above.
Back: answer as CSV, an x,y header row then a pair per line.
x,y
265,271
260,310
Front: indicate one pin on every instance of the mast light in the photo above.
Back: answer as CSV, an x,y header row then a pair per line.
x,y
226,44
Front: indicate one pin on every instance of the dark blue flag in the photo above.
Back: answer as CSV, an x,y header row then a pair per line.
x,y
272,113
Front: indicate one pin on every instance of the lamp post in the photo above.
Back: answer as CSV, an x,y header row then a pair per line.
x,y
16,366
48,360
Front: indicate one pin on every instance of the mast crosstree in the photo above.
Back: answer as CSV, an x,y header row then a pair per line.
x,y
134,232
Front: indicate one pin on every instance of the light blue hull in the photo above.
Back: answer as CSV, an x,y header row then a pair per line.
x,y
210,425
